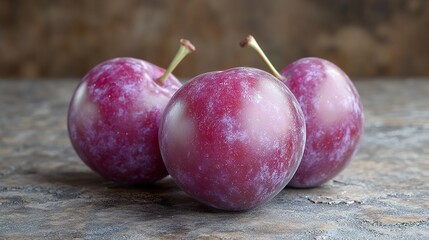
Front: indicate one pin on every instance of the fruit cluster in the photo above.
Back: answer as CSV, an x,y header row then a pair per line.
x,y
231,139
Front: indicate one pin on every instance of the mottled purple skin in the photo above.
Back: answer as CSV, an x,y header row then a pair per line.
x,y
113,120
232,139
333,115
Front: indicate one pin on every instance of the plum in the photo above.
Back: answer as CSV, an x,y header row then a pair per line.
x,y
114,115
232,139
333,116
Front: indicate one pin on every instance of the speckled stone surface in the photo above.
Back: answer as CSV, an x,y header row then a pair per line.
x,y
46,192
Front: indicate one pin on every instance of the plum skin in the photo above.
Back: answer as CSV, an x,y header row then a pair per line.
x,y
334,119
113,120
232,139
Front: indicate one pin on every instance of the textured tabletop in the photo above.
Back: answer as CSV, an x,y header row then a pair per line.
x,y
46,192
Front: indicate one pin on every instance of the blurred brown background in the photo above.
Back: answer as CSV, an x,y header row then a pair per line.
x,y
367,38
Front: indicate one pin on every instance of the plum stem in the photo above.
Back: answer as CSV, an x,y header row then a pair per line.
x,y
251,42
186,47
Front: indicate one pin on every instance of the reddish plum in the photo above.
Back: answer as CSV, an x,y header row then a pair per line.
x,y
333,116
114,115
334,119
232,139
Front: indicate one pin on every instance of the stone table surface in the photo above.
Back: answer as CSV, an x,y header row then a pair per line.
x,y
46,192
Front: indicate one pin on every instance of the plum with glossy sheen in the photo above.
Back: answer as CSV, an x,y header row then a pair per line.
x,y
232,139
113,119
334,119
